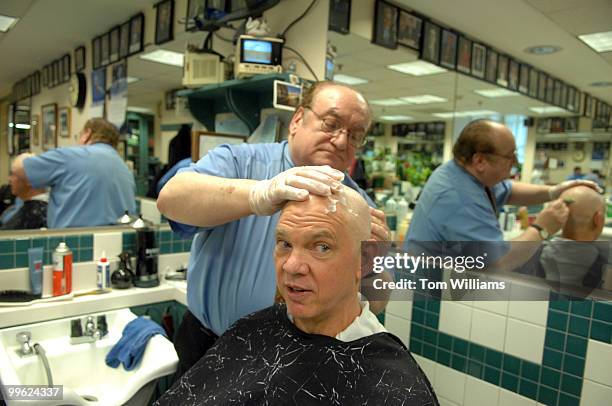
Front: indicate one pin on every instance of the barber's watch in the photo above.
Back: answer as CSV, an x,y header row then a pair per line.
x,y
541,231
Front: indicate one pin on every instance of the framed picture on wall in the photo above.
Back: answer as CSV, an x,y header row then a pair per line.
x,y
124,40
448,51
464,55
67,68
114,45
339,16
557,93
550,87
105,49
513,74
96,53
385,25
478,60
49,126
98,86
491,68
564,91
588,106
136,33
542,80
543,125
502,70
58,72
533,83
523,85
164,21
79,59
63,122
578,101
571,95
431,43
34,124
410,30
36,82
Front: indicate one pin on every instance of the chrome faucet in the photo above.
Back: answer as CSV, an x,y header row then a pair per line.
x,y
93,331
23,338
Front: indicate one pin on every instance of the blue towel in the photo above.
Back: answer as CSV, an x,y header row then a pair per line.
x,y
130,348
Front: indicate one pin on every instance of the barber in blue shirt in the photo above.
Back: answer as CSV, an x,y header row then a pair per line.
x,y
90,184
233,202
460,200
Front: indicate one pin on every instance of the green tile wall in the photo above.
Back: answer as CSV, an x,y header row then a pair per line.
x,y
556,381
167,242
14,251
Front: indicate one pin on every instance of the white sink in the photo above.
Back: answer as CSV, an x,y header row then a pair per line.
x,y
80,368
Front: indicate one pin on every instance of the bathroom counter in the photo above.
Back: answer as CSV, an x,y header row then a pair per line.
x,y
92,303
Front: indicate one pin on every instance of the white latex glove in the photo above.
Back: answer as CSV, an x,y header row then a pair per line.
x,y
268,196
555,191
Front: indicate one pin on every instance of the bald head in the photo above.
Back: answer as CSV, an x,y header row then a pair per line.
x,y
20,186
587,213
479,136
345,209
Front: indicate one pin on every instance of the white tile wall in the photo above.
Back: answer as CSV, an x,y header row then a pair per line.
x,y
594,394
455,319
399,327
507,398
110,243
529,311
480,393
496,306
400,304
525,340
488,329
449,383
598,365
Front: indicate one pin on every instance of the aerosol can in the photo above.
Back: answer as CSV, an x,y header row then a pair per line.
x,y
62,270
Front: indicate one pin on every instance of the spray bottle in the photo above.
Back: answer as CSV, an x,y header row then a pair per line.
x,y
103,272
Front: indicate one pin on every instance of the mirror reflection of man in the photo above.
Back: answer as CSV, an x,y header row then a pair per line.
x,y
32,214
90,184
460,200
323,345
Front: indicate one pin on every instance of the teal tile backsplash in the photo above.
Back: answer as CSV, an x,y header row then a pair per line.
x,y
557,381
14,251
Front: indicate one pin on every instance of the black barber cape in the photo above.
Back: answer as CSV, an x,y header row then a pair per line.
x,y
263,359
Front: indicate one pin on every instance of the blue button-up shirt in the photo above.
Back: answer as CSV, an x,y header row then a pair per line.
x,y
90,185
454,207
231,266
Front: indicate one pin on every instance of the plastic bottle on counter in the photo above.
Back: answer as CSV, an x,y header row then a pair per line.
x,y
103,273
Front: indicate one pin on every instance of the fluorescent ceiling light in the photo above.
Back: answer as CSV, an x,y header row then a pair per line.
x,y
599,41
6,23
349,80
132,79
469,113
417,68
164,56
389,102
396,118
424,99
23,126
543,49
548,110
491,93
143,110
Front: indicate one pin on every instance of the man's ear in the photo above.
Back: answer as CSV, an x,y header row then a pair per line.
x,y
296,121
598,219
478,161
85,136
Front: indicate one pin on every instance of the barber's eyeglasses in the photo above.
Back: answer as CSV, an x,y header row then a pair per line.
x,y
333,127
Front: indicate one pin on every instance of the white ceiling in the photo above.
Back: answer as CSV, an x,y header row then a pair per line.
x,y
510,26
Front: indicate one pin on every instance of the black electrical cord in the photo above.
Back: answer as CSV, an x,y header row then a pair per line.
x,y
303,60
298,19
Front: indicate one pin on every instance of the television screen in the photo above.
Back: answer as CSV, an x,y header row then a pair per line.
x,y
256,51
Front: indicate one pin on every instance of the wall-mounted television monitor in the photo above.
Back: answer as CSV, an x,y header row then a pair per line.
x,y
257,55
